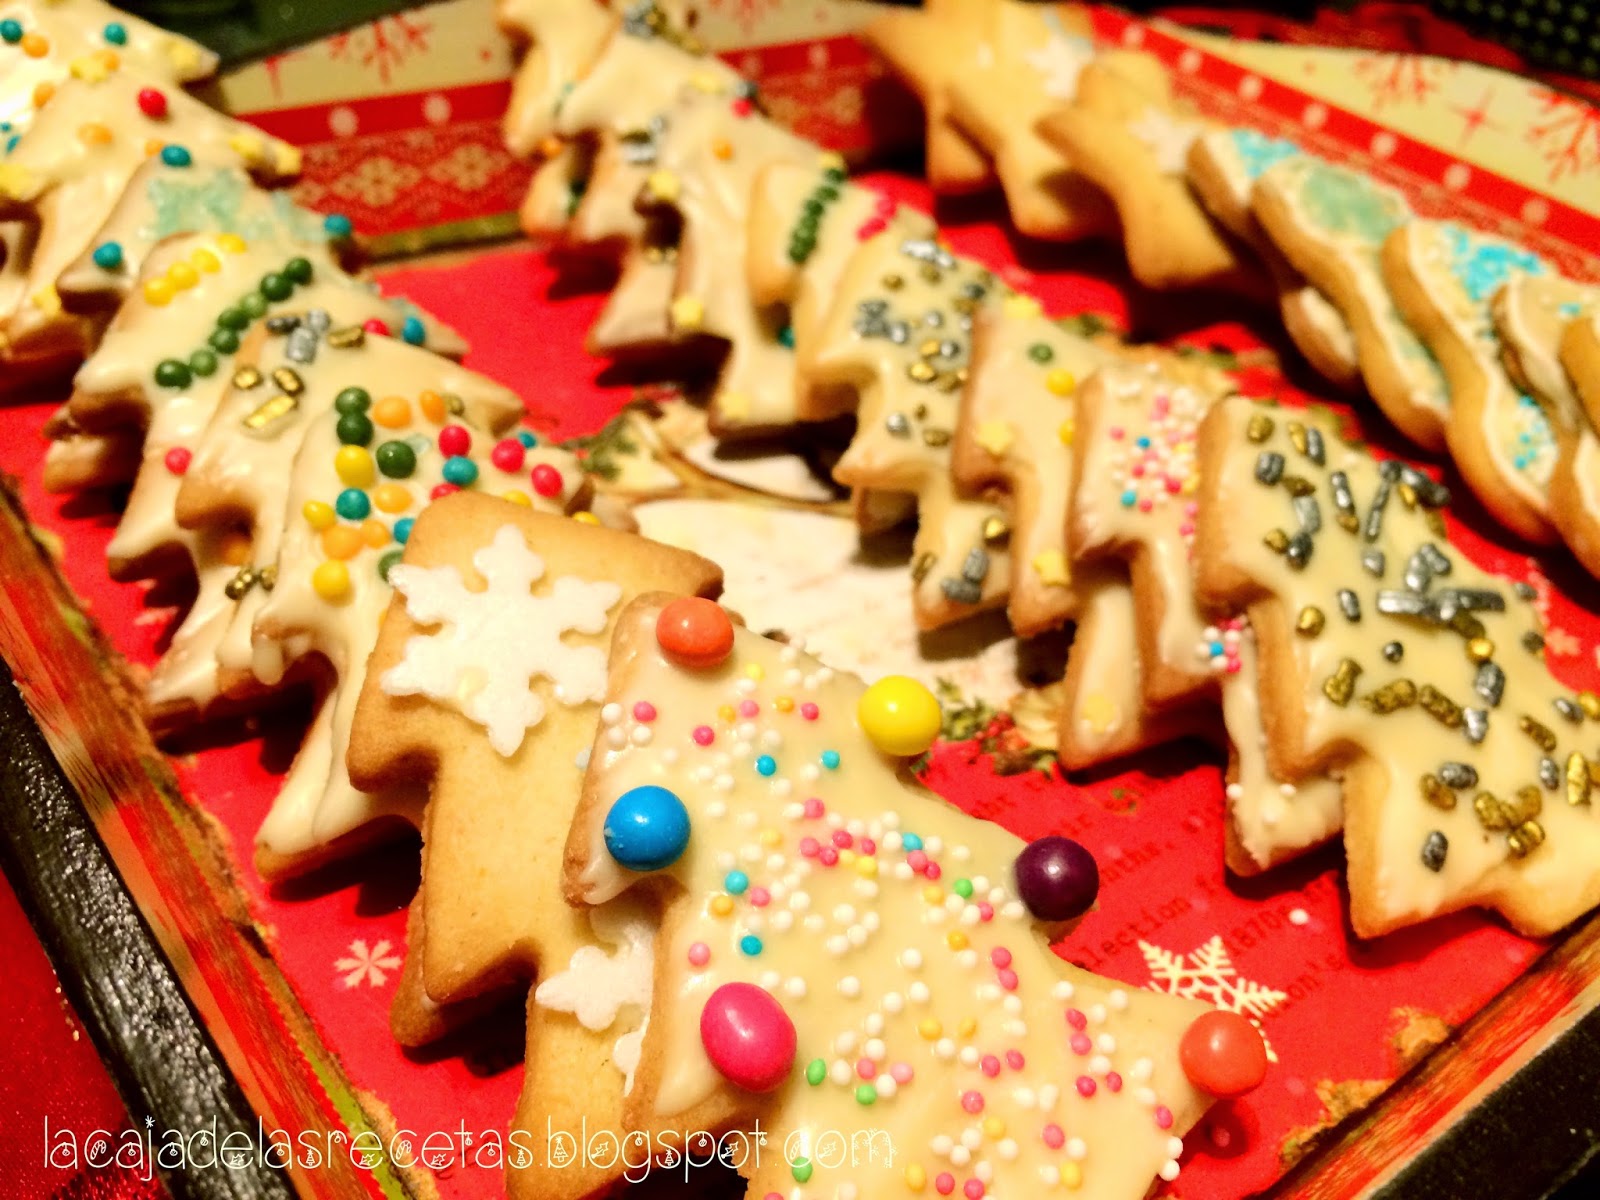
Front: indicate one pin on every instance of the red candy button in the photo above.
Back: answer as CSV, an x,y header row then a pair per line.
x,y
695,632
1223,1054
748,1037
152,103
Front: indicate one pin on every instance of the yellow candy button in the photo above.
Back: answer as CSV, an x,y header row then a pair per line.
x,y
318,515
899,715
354,466
158,291
585,518
331,581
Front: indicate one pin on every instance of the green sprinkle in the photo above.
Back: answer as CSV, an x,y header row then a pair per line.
x,y
866,1095
801,1170
1040,353
203,363
816,1071
224,341
352,400
170,373
254,305
276,287
354,429
234,318
298,270
388,563
962,888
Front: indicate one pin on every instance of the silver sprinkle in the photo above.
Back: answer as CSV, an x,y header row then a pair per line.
x,y
933,319
961,591
899,333
1438,562
319,321
1476,721
1434,849
1373,525
1299,549
1374,562
1418,574
1569,709
1525,591
1458,775
1308,512
1342,498
1490,683
976,566
1403,604
897,424
301,346
1349,604
1549,773
1314,446
1269,467
1431,494
1394,651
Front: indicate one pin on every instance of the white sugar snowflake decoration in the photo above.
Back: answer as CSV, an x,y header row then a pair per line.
x,y
369,965
1167,137
1060,61
494,643
1208,974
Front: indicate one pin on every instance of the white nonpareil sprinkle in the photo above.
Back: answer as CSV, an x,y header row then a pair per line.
x,y
849,987
795,986
611,713
1077,1149
911,959
1299,916
846,1042
1169,1170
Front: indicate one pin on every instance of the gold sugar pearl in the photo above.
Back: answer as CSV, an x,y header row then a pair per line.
x,y
1480,649
1259,428
1310,621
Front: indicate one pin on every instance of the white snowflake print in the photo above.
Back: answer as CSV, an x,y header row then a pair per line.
x,y
1208,975
368,966
1168,138
495,642
1061,60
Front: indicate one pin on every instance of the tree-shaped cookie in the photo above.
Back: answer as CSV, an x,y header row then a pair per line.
x,y
1330,223
842,951
1223,167
75,161
1013,436
1388,656
1580,358
562,40
928,48
163,201
1125,131
487,834
805,225
375,430
1443,278
898,336
1136,500
1027,68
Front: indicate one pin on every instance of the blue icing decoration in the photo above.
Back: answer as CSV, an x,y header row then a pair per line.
x,y
1535,448
222,200
1480,265
1570,310
1258,151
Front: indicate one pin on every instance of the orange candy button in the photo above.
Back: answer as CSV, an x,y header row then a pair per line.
x,y
695,632
1223,1054
341,542
392,412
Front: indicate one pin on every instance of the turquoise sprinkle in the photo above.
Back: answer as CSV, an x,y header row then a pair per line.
x,y
1129,498
11,31
413,332
459,471
1570,310
735,883
766,765
527,439
176,156
1216,649
750,945
353,505
1481,265
910,841
116,34
402,530
830,759
108,256
786,337
337,225
1258,152
1142,442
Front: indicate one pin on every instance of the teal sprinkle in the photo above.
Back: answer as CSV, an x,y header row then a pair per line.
x,y
1480,265
750,945
830,759
1129,498
1257,151
1570,310
735,883
766,765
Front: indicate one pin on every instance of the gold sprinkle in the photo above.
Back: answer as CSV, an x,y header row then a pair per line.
x,y
1259,428
246,378
964,305
930,273
348,338
936,437
1310,621
1277,540
920,568
1590,703
1408,495
1541,735
267,577
1579,782
1298,485
921,372
1468,626
929,348
1436,793
240,583
1434,522
1341,685
892,282
1525,839
1348,522
288,381
269,413
454,404
1439,706
996,529
1480,649
950,381
1391,697
1491,814
1529,805
1297,436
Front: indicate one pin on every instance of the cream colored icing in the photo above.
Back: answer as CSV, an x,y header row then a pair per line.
x,y
1530,314
555,190
1384,756
1513,432
632,79
564,39
1102,713
859,958
75,460
1017,413
71,181
907,396
1358,247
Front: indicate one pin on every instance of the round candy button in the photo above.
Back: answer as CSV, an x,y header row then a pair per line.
x,y
695,632
1223,1054
1057,879
747,1036
899,715
647,828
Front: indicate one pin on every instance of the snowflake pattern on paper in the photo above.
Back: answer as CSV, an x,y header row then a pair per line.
x,y
368,965
1208,974
1402,78
493,643
1567,134
383,45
